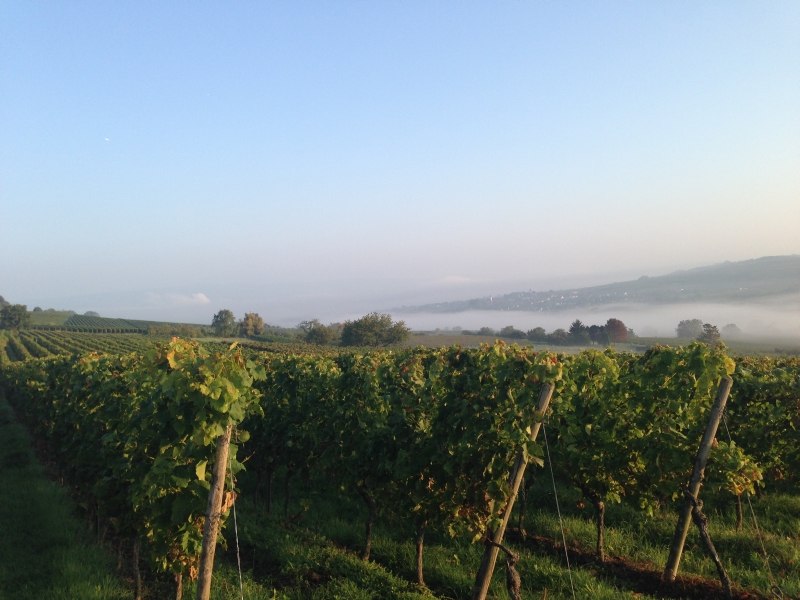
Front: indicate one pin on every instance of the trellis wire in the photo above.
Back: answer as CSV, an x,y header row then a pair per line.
x,y
775,588
236,528
558,509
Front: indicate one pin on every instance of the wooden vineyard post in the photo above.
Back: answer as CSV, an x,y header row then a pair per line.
x,y
684,520
213,513
484,577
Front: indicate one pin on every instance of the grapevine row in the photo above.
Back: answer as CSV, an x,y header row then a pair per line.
x,y
426,435
134,435
432,433
42,343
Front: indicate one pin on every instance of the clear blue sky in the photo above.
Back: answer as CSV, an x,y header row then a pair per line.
x,y
168,159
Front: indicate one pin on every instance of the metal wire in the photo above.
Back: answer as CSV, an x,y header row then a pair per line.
x,y
236,528
558,509
774,587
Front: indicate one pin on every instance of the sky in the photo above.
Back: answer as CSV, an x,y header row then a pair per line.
x,y
165,160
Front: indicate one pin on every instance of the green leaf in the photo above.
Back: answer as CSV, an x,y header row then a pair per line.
x,y
200,469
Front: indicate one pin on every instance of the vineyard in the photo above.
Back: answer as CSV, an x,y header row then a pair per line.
x,y
404,459
22,345
69,321
38,343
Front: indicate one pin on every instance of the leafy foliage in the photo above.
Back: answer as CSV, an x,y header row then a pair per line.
x,y
314,332
14,316
764,416
252,324
373,329
136,433
616,330
689,329
710,334
422,434
224,323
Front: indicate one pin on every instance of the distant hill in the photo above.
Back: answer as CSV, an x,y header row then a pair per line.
x,y
726,283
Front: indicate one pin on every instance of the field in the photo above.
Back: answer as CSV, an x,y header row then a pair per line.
x,y
25,344
324,484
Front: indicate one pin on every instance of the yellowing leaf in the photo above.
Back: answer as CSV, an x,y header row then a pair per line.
x,y
730,365
200,470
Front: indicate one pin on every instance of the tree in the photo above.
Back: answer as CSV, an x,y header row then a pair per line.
x,y
731,330
689,329
317,333
3,302
537,334
559,336
578,332
91,313
224,323
251,325
14,316
509,331
598,334
373,329
710,334
616,330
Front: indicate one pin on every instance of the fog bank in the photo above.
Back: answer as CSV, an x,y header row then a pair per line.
x,y
778,319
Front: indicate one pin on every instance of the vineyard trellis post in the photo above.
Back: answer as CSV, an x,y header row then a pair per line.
x,y
211,525
484,577
684,520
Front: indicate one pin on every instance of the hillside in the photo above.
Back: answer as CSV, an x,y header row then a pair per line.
x,y
69,320
726,283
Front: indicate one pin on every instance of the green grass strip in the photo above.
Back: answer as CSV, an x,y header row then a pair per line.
x,y
45,550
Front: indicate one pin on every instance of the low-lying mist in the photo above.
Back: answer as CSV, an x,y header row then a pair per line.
x,y
779,319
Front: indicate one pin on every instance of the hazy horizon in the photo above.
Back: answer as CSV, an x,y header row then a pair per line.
x,y
306,302
768,318
165,161
754,320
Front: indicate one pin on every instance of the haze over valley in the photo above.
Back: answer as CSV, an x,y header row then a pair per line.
x,y
760,296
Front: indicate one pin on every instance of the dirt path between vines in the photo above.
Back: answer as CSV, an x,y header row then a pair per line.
x,y
635,576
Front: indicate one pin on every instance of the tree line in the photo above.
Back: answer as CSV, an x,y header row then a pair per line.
x,y
14,316
614,331
373,329
579,334
695,329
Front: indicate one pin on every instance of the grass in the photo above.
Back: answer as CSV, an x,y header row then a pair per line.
x,y
295,563
335,524
45,550
317,556
50,317
631,535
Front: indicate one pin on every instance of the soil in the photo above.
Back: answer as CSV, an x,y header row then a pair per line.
x,y
644,578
